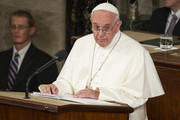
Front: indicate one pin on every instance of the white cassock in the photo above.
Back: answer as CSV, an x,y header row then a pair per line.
x,y
126,72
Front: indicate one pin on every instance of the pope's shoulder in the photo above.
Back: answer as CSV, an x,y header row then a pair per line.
x,y
130,42
86,38
84,41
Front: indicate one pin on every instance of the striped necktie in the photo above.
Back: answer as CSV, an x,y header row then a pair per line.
x,y
13,70
172,24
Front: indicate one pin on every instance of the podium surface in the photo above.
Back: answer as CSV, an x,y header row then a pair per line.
x,y
13,106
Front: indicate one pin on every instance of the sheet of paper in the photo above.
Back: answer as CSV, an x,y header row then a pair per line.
x,y
69,97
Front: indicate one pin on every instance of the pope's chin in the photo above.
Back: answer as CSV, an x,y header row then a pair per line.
x,y
101,43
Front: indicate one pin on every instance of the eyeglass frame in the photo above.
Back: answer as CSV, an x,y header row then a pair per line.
x,y
103,29
20,27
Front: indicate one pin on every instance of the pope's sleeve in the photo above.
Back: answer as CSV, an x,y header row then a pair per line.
x,y
64,80
136,84
121,96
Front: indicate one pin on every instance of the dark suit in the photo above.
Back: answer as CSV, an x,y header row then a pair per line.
x,y
33,59
159,19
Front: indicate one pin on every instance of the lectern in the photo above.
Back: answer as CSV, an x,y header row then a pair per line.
x,y
13,106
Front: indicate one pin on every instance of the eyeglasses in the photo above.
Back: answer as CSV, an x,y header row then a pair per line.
x,y
106,29
20,27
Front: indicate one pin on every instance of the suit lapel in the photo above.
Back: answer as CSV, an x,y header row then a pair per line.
x,y
6,63
165,19
25,70
176,30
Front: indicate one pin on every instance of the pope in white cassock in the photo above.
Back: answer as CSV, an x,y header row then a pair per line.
x,y
109,65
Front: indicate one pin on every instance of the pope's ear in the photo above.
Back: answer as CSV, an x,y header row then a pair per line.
x,y
119,23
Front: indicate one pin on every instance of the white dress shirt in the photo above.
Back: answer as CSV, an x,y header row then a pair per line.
x,y
170,17
21,53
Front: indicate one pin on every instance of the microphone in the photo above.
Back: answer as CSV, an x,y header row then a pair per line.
x,y
61,55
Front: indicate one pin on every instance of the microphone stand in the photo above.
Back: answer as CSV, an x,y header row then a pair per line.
x,y
37,72
27,85
59,56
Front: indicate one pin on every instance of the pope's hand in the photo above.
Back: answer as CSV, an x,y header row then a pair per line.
x,y
87,93
48,89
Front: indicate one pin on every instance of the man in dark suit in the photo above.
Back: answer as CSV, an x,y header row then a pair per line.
x,y
30,58
161,18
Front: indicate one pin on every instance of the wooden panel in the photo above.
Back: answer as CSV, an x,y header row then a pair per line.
x,y
13,106
166,107
19,113
54,105
169,59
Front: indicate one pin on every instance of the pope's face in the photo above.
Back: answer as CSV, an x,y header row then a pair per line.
x,y
171,3
104,26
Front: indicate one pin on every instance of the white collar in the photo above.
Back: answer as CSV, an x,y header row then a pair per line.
x,y
177,13
113,42
23,51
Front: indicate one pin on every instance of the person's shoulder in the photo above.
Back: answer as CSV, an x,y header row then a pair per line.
x,y
40,54
129,39
161,10
85,40
131,44
5,52
83,44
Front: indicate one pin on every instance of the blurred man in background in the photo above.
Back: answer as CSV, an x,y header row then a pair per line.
x,y
165,20
20,61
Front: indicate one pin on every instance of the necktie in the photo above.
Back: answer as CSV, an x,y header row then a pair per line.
x,y
13,69
172,24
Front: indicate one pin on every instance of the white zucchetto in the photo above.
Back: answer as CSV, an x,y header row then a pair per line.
x,y
107,7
